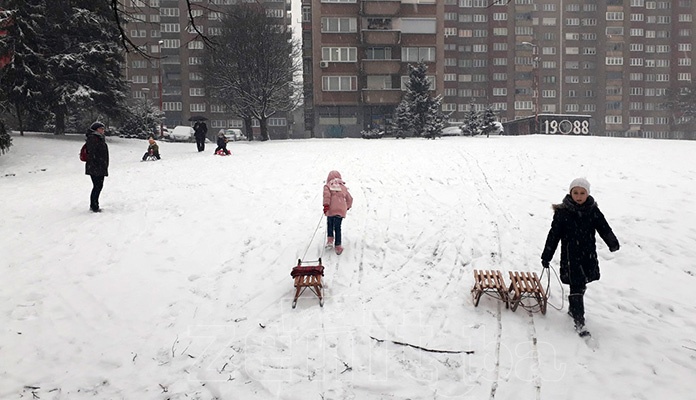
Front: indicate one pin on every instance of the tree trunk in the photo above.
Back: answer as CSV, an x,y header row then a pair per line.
x,y
248,129
20,120
264,128
59,113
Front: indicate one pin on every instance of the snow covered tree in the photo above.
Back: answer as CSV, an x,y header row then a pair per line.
x,y
24,77
83,60
682,102
472,124
488,121
142,120
435,119
251,66
403,120
426,118
66,59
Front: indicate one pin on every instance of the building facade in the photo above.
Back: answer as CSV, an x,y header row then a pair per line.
x,y
614,60
172,76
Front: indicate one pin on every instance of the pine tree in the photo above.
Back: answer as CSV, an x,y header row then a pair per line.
x,y
403,120
471,125
488,121
425,114
83,60
435,119
24,77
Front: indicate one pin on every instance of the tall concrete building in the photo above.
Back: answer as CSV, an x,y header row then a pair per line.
x,y
614,60
172,77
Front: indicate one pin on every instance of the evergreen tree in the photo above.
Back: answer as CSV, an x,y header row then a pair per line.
x,y
403,120
143,119
488,121
418,111
5,139
83,60
435,119
24,77
471,125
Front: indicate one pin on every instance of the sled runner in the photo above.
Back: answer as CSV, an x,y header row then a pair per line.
x,y
492,283
526,285
307,275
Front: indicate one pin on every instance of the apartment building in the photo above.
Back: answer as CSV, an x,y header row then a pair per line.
x,y
172,77
614,60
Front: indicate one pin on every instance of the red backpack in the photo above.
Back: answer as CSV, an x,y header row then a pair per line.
x,y
83,153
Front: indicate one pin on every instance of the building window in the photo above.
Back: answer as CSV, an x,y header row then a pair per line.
x,y
197,107
339,83
416,54
684,76
339,54
170,28
196,45
196,92
277,122
612,119
171,106
339,24
169,12
171,44
195,61
378,53
499,91
139,79
217,108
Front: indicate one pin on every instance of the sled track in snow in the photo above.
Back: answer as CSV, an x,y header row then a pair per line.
x,y
486,191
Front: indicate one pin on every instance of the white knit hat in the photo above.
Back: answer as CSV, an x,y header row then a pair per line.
x,y
580,182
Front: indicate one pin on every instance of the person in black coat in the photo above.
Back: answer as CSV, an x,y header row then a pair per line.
x,y
97,165
222,144
575,222
200,129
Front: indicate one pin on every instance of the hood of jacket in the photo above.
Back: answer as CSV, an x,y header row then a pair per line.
x,y
334,175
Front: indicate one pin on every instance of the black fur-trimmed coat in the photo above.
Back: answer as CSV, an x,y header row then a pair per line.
x,y
574,225
97,155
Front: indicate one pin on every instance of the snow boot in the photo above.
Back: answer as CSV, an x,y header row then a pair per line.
x,y
580,328
339,249
329,241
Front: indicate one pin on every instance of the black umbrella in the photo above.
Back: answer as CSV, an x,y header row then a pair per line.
x,y
198,118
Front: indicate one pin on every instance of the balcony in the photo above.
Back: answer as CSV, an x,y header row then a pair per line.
x,y
381,7
381,67
381,96
383,37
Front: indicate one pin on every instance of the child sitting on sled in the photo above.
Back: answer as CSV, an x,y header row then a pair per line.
x,y
221,148
337,201
152,150
574,224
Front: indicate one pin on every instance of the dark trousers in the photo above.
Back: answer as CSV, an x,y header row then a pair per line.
x,y
200,143
576,303
333,228
157,156
221,148
97,185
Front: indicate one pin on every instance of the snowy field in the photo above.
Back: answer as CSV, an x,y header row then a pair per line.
x,y
181,287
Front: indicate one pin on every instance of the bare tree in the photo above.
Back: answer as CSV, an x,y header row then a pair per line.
x,y
251,66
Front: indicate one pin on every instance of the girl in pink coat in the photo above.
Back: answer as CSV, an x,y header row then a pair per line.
x,y
337,201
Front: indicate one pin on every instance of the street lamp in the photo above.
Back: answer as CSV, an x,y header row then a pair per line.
x,y
161,132
535,83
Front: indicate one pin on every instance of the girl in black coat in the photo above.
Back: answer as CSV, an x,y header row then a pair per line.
x,y
575,222
97,165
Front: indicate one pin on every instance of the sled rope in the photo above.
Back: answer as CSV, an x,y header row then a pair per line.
x,y
548,287
313,234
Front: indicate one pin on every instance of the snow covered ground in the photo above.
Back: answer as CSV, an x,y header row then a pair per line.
x,y
181,287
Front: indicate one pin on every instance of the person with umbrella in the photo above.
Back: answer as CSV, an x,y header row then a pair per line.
x,y
200,129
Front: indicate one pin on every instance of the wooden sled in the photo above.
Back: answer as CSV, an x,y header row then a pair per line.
x,y
308,277
492,283
525,285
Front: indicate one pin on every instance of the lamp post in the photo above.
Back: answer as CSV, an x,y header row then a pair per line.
x,y
161,132
535,83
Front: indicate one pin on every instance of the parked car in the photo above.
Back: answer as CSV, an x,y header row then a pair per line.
x,y
181,133
233,134
452,131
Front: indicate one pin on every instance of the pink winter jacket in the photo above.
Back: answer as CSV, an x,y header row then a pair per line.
x,y
336,195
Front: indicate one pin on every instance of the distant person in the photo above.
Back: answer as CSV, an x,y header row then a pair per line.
x,y
221,148
337,202
152,149
200,129
574,224
97,164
